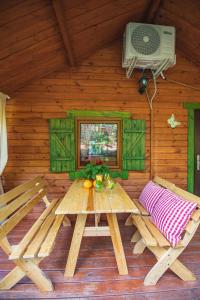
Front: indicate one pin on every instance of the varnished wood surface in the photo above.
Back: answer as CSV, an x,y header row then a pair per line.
x,y
31,42
93,24
79,200
99,84
184,15
97,276
31,45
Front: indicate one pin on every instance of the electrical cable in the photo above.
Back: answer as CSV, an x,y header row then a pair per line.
x,y
179,83
150,100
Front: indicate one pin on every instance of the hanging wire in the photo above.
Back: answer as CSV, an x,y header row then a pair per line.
x,y
150,100
180,83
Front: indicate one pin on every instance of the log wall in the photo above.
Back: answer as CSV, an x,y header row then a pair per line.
x,y
99,84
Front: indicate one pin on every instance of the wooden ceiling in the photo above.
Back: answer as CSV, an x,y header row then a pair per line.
x,y
38,37
185,16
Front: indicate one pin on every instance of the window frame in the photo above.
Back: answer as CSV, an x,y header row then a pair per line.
x,y
109,120
129,126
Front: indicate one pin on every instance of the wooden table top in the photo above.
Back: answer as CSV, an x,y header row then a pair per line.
x,y
79,200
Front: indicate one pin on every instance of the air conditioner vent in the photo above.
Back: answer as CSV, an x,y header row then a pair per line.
x,y
148,46
145,39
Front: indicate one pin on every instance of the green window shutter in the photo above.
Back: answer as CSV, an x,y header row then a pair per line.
x,y
133,144
62,145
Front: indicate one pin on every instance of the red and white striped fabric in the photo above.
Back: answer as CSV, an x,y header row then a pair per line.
x,y
171,214
150,195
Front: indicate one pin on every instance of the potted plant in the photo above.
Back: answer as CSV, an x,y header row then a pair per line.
x,y
94,168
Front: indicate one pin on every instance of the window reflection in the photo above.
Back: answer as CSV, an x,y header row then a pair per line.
x,y
99,141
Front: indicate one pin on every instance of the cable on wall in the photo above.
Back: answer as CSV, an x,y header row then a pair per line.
x,y
179,83
150,101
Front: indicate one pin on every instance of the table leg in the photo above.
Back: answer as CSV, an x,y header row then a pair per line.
x,y
97,219
117,244
66,221
75,245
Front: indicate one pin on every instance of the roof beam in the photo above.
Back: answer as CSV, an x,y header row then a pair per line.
x,y
152,11
64,31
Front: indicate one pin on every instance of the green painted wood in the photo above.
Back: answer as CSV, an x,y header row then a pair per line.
x,y
191,105
94,113
191,150
133,157
123,174
62,145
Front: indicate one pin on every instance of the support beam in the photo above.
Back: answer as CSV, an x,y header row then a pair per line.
x,y
97,231
63,29
152,11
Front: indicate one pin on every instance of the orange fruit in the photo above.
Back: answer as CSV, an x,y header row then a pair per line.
x,y
87,184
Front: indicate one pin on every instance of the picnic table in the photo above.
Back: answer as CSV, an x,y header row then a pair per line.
x,y
82,202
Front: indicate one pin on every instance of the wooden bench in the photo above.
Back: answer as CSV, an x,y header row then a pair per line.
x,y
38,241
147,235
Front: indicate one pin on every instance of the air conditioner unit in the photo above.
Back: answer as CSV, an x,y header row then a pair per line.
x,y
148,46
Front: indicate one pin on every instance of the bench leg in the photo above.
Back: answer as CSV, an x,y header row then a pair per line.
x,y
136,237
46,201
12,278
177,267
75,245
117,244
167,259
32,271
129,220
139,247
182,271
24,267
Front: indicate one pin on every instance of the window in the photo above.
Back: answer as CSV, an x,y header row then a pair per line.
x,y
86,135
99,140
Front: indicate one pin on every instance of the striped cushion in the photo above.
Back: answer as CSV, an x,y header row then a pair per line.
x,y
171,214
150,195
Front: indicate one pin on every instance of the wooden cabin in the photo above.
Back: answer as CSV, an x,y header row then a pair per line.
x,y
62,58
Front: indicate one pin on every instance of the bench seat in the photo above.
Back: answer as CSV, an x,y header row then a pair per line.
x,y
38,242
149,236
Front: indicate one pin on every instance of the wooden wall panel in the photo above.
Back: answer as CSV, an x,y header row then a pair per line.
x,y
31,45
99,83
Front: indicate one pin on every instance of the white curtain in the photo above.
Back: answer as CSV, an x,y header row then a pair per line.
x,y
3,133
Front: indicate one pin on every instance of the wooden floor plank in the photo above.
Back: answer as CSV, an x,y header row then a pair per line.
x,y
96,274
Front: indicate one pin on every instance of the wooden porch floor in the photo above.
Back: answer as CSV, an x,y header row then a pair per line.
x,y
96,275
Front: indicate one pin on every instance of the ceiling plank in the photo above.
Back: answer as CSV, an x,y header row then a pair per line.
x,y
99,22
64,31
187,26
152,11
31,44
